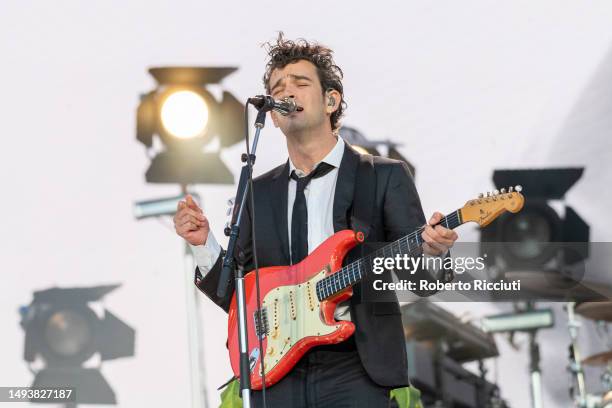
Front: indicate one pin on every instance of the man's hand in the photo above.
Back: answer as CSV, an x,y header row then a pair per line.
x,y
438,240
190,222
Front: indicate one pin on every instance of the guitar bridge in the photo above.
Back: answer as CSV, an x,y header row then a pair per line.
x,y
260,317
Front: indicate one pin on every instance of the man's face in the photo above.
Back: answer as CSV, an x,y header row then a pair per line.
x,y
300,81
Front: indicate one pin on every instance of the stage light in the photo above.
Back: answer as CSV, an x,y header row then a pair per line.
x,y
537,238
184,114
185,123
545,245
63,332
533,233
384,148
189,121
67,333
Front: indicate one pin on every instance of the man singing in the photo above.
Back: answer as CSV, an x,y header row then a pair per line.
x,y
316,187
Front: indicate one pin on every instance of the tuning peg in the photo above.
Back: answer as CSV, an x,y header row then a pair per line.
x,y
503,191
480,195
518,188
511,189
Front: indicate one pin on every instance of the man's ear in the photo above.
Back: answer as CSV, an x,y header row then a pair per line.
x,y
332,100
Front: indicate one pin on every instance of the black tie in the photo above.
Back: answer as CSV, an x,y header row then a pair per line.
x,y
299,218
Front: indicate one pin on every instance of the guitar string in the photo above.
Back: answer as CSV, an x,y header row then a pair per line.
x,y
403,245
329,283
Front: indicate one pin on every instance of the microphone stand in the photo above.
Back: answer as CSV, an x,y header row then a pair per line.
x,y
229,266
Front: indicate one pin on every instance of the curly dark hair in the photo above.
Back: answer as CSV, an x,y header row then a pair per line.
x,y
284,52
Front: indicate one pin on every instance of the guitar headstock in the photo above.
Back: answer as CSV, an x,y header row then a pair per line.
x,y
491,205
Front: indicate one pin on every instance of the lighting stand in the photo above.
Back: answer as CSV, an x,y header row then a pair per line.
x,y
199,394
575,366
535,372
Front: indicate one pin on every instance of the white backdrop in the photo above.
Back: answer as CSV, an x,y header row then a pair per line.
x,y
465,86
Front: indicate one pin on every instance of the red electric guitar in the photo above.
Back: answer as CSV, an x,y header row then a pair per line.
x,y
298,301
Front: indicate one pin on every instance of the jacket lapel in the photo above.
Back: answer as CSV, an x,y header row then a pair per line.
x,y
345,186
343,196
278,198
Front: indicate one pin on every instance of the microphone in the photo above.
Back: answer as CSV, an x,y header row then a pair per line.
x,y
265,103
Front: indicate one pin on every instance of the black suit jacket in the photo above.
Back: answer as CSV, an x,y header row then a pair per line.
x,y
379,333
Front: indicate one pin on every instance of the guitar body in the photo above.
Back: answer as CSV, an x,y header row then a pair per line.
x,y
292,320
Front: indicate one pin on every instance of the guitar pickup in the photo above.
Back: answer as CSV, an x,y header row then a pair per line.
x,y
260,317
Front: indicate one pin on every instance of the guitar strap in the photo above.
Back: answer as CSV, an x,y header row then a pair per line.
x,y
364,196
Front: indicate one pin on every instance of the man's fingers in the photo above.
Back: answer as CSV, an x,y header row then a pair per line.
x,y
188,218
432,233
446,236
196,214
428,249
441,231
188,212
447,233
434,240
179,210
432,250
186,227
435,218
428,235
192,204
192,226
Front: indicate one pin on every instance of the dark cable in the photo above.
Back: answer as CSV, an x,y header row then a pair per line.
x,y
255,261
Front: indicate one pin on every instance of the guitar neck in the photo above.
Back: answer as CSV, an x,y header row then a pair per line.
x,y
355,271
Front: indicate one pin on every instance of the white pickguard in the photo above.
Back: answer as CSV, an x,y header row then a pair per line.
x,y
293,312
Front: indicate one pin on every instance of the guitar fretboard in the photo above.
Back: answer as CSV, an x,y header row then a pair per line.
x,y
355,271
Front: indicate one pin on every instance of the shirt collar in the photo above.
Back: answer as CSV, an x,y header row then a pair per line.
x,y
334,157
